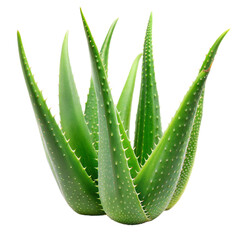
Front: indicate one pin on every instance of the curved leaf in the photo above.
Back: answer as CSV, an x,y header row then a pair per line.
x,y
72,118
129,153
118,196
189,156
192,145
158,178
125,101
91,113
148,124
76,186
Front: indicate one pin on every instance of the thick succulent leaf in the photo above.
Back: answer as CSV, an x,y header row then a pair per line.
x,y
72,118
130,155
91,113
192,144
189,156
148,124
158,178
123,115
125,101
106,45
126,97
118,196
76,186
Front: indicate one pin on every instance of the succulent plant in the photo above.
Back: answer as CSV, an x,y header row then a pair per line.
x,y
92,159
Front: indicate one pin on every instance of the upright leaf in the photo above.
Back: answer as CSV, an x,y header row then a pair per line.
x,y
72,118
91,113
189,156
129,153
148,123
118,196
192,145
76,186
124,108
125,101
158,178
104,52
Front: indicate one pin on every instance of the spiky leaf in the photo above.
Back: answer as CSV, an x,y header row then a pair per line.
x,y
148,123
189,156
129,153
76,186
125,101
158,178
192,145
72,118
118,196
91,113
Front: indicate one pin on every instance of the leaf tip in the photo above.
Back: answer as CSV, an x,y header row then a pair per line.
x,y
19,37
82,14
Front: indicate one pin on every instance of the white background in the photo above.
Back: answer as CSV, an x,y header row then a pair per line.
x,y
31,205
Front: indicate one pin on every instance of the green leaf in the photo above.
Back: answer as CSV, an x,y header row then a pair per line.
x,y
72,118
129,153
91,113
148,124
189,156
192,145
125,101
118,196
158,178
76,186
106,44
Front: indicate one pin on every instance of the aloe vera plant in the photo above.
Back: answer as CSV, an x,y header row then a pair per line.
x,y
96,168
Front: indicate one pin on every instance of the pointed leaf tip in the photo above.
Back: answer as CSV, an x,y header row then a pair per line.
x,y
125,100
148,128
82,13
206,66
115,182
66,36
192,144
79,190
91,112
71,115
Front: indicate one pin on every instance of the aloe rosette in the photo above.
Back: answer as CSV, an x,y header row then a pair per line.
x,y
91,156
